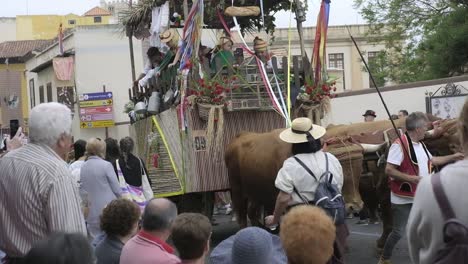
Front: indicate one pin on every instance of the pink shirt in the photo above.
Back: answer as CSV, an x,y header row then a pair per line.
x,y
145,248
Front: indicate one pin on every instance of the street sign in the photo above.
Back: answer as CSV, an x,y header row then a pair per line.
x,y
96,110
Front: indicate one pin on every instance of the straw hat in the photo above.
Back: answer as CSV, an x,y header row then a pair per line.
x,y
260,44
224,40
169,35
300,129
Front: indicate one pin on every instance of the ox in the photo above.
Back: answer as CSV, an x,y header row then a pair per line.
x,y
253,161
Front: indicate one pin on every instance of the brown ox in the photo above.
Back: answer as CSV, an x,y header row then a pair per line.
x,y
253,161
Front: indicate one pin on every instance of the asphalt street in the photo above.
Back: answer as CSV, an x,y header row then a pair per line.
x,y
361,241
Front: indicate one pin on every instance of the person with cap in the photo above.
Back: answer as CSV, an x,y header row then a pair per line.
x,y
251,245
369,116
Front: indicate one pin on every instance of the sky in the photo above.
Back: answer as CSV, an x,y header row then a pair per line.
x,y
342,12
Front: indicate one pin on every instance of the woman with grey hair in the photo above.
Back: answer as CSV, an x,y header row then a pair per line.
x,y
99,181
132,168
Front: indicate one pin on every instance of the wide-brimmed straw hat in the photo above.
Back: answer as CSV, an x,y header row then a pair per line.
x,y
260,44
300,129
169,35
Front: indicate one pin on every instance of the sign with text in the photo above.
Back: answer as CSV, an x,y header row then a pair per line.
x,y
96,110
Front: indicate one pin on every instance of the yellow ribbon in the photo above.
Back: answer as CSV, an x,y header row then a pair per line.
x,y
174,167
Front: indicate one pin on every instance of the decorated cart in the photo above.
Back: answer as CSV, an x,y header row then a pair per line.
x,y
193,100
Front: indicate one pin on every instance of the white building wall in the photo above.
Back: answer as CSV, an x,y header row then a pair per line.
x,y
102,57
349,109
7,29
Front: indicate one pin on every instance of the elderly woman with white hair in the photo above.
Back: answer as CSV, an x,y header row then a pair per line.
x,y
99,180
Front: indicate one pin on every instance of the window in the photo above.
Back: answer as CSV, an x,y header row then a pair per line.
x,y
336,60
111,9
72,22
41,94
32,93
49,92
97,19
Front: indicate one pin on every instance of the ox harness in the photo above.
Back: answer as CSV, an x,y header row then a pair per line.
x,y
327,195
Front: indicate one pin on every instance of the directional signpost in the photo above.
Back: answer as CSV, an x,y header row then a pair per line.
x,y
96,110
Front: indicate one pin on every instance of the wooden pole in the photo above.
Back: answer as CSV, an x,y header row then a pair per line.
x,y
106,129
185,6
300,17
130,44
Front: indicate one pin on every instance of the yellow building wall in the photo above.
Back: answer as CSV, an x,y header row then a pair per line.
x,y
46,26
24,93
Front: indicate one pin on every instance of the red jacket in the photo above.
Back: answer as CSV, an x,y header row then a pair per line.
x,y
410,166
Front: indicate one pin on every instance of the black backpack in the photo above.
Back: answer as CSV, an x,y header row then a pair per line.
x,y
455,249
327,195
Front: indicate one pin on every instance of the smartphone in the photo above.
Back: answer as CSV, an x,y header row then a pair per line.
x,y
14,126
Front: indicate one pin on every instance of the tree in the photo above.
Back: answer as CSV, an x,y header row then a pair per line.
x,y
425,39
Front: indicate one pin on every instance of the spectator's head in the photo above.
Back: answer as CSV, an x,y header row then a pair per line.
x,y
369,116
51,124
95,147
307,233
127,145
394,117
120,218
463,127
252,245
191,235
416,124
402,113
112,149
79,148
61,248
304,136
158,216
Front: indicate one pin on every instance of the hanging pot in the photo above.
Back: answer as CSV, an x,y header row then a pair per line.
x,y
154,103
140,107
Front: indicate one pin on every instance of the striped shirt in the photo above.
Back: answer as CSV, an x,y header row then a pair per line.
x,y
37,198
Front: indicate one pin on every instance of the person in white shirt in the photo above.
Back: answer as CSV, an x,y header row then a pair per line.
x,y
306,146
151,67
406,169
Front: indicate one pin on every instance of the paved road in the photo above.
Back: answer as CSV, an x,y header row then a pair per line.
x,y
361,241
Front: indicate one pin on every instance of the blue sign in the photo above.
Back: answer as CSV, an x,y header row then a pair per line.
x,y
95,96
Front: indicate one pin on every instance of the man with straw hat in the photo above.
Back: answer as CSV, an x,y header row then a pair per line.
x,y
170,37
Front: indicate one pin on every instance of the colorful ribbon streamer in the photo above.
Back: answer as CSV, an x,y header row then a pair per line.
x,y
318,56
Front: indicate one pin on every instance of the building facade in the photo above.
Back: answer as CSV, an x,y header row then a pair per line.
x,y
101,58
46,26
14,100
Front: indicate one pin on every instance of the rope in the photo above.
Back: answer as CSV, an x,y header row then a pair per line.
x,y
350,164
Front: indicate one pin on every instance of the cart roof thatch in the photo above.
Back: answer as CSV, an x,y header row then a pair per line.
x,y
140,15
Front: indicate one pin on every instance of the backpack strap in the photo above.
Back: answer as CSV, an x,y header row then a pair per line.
x,y
306,168
441,197
327,171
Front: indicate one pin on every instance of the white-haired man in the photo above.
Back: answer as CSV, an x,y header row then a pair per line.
x,y
37,194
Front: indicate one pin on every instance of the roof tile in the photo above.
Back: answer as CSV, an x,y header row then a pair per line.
x,y
97,11
19,48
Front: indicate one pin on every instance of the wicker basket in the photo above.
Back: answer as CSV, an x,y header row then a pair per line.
x,y
203,111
